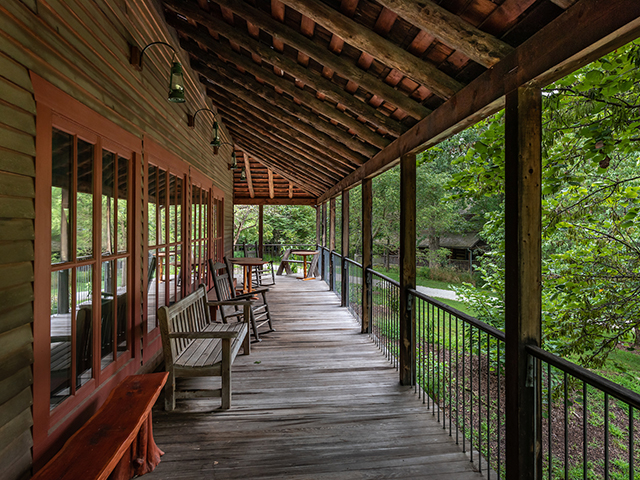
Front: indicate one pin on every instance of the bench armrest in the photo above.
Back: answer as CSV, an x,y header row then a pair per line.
x,y
196,335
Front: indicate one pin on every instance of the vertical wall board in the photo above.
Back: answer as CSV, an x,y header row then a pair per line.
x,y
16,457
14,162
13,252
15,274
16,185
15,406
16,316
13,385
14,428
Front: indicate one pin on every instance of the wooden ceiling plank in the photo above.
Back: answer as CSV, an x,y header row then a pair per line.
x,y
298,41
308,99
247,169
387,52
286,141
219,69
271,194
290,115
269,55
280,130
602,26
452,30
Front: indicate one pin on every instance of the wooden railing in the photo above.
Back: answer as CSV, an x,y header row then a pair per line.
x,y
589,424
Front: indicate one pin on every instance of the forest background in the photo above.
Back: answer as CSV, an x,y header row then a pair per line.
x,y
591,212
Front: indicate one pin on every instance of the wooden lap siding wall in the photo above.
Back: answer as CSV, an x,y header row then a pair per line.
x,y
81,48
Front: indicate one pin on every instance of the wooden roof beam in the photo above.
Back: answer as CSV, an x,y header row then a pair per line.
x,y
277,142
275,201
303,160
271,193
603,27
332,91
290,190
265,158
285,165
451,30
341,66
308,99
247,169
281,130
349,157
246,87
422,72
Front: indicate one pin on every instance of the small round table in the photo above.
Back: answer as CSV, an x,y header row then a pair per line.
x,y
247,265
304,254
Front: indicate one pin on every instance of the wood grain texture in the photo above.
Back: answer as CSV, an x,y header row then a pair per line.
x,y
316,400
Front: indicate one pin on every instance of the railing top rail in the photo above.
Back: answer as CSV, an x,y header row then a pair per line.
x,y
383,277
494,332
618,391
352,262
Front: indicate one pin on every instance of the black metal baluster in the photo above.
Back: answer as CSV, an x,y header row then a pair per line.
x,y
457,382
499,408
471,394
631,444
438,367
549,417
464,382
479,404
584,430
606,436
487,410
450,379
566,428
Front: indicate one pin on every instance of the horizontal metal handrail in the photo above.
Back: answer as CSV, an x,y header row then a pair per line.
x,y
352,262
485,327
383,277
601,383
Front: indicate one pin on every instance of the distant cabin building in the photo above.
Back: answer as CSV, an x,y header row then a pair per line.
x,y
465,248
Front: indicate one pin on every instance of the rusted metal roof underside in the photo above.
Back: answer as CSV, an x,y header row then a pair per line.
x,y
325,92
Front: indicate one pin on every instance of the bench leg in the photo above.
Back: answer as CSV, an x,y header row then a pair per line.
x,y
226,373
170,393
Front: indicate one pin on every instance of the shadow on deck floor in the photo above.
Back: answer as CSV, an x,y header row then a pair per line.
x,y
314,400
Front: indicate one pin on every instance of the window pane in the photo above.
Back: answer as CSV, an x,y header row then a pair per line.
x,y
61,184
179,272
162,198
84,215
173,274
61,289
107,316
123,195
152,205
152,296
84,312
178,210
162,277
108,203
122,317
172,209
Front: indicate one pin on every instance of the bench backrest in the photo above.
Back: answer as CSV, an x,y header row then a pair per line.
x,y
191,314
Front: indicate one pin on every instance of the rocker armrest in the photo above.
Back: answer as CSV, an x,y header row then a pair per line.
x,y
252,293
230,302
196,335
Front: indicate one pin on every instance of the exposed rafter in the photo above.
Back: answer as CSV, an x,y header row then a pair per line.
x,y
271,193
451,29
247,168
387,52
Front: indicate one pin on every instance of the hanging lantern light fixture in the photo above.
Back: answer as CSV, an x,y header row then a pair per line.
x,y
176,77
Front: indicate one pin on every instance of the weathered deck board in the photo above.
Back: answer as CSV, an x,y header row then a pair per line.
x,y
314,400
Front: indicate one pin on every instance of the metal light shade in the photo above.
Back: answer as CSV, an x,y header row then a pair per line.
x,y
243,175
216,136
176,85
234,160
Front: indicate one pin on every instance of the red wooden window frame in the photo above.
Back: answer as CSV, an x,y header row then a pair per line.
x,y
55,109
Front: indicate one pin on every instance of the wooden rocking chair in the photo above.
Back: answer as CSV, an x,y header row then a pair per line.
x,y
223,283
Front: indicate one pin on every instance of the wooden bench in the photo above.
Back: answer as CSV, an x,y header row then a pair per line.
x,y
194,346
117,442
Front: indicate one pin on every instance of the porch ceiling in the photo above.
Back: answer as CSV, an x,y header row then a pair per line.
x,y
326,92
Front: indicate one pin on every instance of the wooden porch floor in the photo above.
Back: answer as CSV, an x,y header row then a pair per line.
x,y
314,400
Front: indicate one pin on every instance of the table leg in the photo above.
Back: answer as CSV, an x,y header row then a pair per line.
x,y
249,282
304,267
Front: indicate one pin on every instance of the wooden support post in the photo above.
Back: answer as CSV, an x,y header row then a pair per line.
x,y
523,304
318,226
332,239
407,263
260,252
345,249
367,255
324,237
